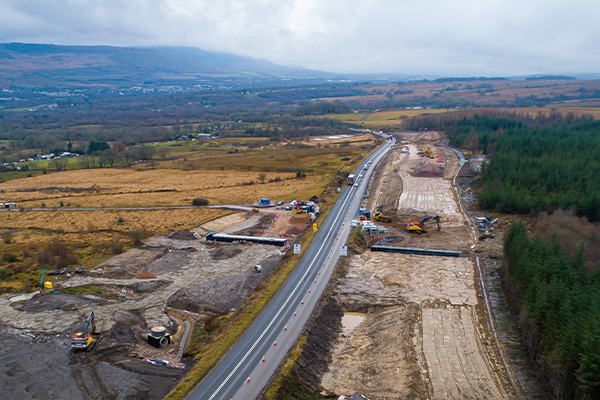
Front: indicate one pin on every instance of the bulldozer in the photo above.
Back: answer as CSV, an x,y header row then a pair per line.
x,y
378,216
419,227
85,340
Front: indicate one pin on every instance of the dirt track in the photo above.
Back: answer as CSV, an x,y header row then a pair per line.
x,y
425,333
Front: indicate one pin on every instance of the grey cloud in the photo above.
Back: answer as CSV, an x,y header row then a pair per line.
x,y
444,37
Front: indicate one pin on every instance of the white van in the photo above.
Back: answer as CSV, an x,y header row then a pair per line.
x,y
354,223
368,224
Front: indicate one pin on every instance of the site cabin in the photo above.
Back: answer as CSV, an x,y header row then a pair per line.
x,y
350,179
8,205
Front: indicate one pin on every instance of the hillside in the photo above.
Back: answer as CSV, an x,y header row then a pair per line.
x,y
41,65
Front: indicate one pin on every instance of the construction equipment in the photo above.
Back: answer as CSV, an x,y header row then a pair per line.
x,y
419,227
485,226
378,216
427,152
84,340
158,337
485,223
365,215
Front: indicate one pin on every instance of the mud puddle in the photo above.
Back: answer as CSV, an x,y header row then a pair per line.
x,y
350,321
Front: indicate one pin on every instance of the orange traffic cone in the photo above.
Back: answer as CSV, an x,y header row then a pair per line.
x,y
294,313
248,380
302,302
263,359
275,343
285,328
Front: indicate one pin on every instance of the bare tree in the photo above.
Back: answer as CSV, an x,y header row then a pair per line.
x,y
262,177
162,152
108,158
60,164
130,156
146,152
87,162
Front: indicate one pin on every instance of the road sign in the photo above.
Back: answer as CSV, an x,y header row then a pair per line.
x,y
344,251
297,248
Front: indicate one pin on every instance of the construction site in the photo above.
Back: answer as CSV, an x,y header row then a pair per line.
x,y
408,321
121,328
411,322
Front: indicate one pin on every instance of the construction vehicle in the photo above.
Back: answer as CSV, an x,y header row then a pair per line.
x,y
378,216
365,215
84,340
427,152
419,227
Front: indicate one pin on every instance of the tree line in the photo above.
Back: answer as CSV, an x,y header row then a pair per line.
x,y
536,164
559,305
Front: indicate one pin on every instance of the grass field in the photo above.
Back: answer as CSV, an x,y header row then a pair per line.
x,y
347,117
391,119
186,172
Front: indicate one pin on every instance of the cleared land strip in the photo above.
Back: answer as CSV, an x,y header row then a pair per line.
x,y
432,195
423,335
456,367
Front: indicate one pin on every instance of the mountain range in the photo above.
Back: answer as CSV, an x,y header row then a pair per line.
x,y
42,65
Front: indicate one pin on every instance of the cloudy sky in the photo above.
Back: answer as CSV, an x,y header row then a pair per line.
x,y
441,37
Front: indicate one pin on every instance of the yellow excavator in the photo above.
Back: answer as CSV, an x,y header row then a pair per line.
x,y
419,227
378,216
428,152
84,340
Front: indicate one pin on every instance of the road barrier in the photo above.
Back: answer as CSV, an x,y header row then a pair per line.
x,y
414,250
222,237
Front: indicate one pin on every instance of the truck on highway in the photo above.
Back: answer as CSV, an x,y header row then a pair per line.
x,y
350,179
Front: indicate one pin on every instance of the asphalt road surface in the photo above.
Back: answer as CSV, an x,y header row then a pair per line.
x,y
246,370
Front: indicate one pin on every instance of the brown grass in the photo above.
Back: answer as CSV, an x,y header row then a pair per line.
x,y
128,187
91,235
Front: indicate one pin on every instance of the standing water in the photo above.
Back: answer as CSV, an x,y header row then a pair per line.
x,y
350,321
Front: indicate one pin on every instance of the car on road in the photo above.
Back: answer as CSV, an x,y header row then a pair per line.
x,y
280,203
356,184
354,223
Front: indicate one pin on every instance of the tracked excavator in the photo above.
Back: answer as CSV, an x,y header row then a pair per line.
x,y
84,340
419,227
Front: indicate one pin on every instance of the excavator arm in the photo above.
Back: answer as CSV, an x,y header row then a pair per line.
x,y
435,218
90,325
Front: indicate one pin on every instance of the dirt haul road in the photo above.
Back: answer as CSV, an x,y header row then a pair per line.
x,y
424,333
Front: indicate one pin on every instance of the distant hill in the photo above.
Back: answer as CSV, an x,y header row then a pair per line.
x,y
42,65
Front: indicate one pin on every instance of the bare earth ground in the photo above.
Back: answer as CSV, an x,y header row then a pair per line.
x,y
194,279
425,333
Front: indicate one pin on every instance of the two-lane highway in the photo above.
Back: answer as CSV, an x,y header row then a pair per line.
x,y
244,372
